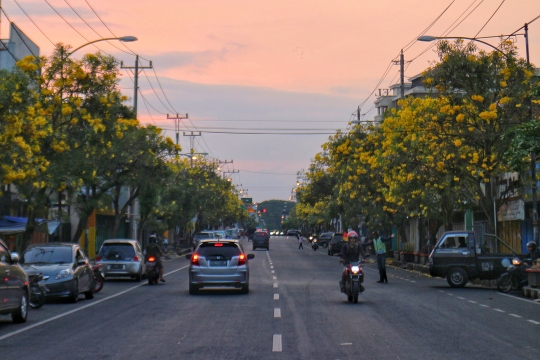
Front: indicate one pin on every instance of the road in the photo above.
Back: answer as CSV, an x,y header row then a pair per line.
x,y
294,311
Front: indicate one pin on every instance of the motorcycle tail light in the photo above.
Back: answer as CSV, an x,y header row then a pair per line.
x,y
151,259
98,258
195,260
135,258
241,259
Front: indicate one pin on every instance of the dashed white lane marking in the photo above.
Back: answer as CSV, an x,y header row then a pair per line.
x,y
441,291
276,296
276,343
482,305
271,267
275,285
277,312
534,322
274,278
345,344
514,315
499,310
461,298
473,302
450,294
273,272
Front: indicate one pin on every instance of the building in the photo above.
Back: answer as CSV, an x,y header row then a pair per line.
x,y
16,48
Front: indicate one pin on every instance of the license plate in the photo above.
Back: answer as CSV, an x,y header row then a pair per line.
x,y
218,262
116,267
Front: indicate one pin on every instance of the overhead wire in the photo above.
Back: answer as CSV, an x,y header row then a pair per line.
x,y
491,17
20,36
32,21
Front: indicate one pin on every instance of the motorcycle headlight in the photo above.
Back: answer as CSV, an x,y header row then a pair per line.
x,y
63,274
516,261
355,269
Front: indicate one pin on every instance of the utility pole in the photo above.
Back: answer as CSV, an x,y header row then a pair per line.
x,y
230,172
176,120
191,144
223,162
358,114
402,71
136,71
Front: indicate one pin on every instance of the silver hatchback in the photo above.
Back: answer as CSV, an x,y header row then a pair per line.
x,y
219,263
121,258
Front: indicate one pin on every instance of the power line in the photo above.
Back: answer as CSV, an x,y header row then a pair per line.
x,y
491,17
29,18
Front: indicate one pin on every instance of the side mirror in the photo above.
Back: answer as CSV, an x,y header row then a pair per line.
x,y
15,257
188,256
250,256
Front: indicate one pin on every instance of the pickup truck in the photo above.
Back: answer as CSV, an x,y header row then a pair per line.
x,y
460,256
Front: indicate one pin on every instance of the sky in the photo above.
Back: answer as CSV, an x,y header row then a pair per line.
x,y
266,82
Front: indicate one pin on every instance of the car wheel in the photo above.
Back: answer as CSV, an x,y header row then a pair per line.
x,y
75,292
268,248
329,252
90,293
504,283
457,277
20,314
193,289
139,276
254,248
324,245
245,289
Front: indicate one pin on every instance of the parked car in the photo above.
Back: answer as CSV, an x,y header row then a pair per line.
x,y
121,258
335,244
13,286
219,263
293,232
66,269
324,239
201,236
261,239
460,256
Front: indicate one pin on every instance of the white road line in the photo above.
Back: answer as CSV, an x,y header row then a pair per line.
x,y
534,322
345,344
276,343
273,272
277,312
499,310
450,294
276,296
441,291
514,315
461,298
482,305
473,302
275,285
274,278
513,297
94,303
271,267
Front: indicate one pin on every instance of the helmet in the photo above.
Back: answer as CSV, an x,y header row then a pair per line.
x,y
153,239
352,234
532,245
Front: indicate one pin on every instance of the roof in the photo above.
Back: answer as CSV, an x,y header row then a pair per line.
x,y
130,241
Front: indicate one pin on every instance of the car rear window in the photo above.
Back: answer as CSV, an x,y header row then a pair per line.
x,y
326,236
338,237
48,255
225,249
260,235
114,251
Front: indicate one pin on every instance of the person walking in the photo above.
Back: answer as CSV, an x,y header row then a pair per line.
x,y
380,250
299,236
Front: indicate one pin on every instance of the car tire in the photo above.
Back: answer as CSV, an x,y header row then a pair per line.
x,y
90,293
245,289
268,248
457,277
75,292
254,248
329,252
193,289
324,245
138,278
19,315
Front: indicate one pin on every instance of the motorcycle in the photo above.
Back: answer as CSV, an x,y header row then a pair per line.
x,y
99,278
314,245
152,272
355,277
38,289
514,277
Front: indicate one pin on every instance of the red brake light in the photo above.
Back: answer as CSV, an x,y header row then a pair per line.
x,y
241,259
218,244
151,258
98,258
135,258
195,259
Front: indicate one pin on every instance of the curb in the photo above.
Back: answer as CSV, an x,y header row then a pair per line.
x,y
531,293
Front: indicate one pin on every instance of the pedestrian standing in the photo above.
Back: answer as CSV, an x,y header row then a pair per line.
x,y
380,250
299,236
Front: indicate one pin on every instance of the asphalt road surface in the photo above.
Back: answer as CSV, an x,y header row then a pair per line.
x,y
294,310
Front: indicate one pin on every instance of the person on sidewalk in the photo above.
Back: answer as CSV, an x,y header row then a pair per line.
x,y
380,250
300,239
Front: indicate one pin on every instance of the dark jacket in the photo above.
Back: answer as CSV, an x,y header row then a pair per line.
x,y
153,249
352,254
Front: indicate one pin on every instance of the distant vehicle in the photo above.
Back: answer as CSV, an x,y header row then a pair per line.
x,y
261,239
324,239
335,244
220,234
293,232
202,236
121,258
15,297
222,263
250,233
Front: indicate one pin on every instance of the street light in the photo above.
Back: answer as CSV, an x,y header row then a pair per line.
x,y
122,39
534,189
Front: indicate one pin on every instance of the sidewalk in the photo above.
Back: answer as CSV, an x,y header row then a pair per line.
x,y
528,291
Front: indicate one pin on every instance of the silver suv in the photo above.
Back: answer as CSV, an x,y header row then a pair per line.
x,y
219,263
121,258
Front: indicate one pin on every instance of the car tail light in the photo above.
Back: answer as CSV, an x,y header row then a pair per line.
x,y
241,259
98,258
218,244
135,258
195,260
151,258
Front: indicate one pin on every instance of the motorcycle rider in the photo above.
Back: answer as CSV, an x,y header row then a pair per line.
x,y
350,252
152,249
534,252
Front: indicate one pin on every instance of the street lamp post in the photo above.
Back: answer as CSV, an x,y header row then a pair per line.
x,y
534,187
122,39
